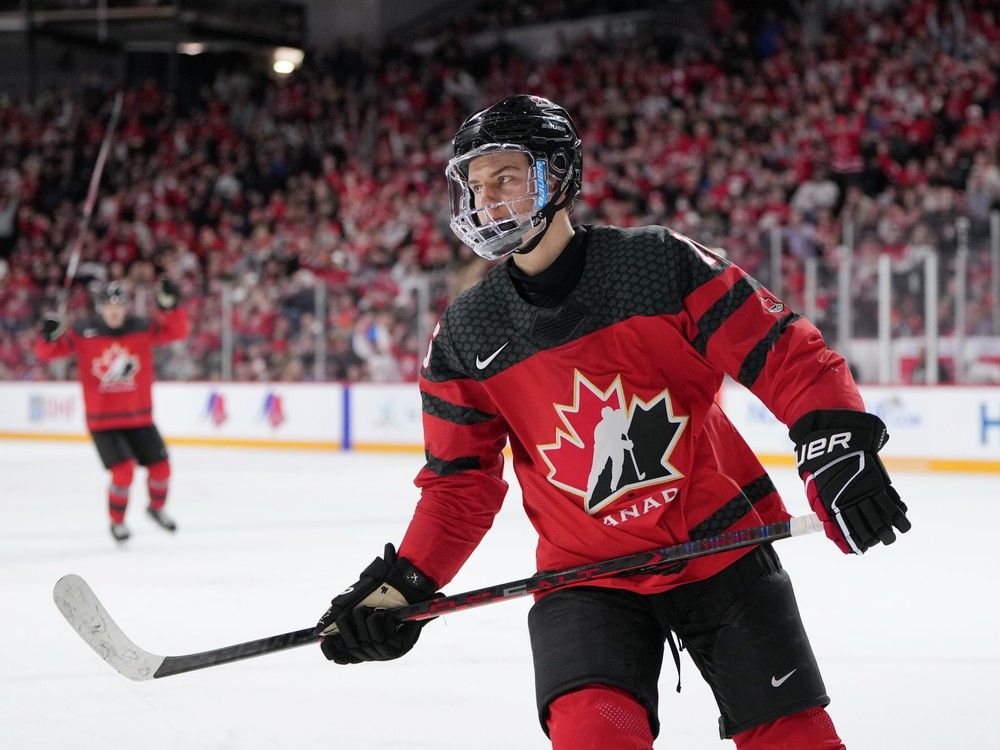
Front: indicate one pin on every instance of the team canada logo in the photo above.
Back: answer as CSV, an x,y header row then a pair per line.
x,y
608,445
116,368
771,304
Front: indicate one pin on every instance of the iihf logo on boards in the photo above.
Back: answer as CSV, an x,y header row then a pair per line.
x,y
608,444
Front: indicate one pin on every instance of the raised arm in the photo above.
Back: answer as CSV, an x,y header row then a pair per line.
x,y
54,341
171,324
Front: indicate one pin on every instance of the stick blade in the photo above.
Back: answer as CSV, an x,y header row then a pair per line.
x,y
85,613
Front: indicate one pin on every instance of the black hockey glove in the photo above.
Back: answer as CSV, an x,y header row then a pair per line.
x,y
167,294
359,627
846,483
53,326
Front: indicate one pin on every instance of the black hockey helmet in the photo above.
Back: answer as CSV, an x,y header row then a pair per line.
x,y
545,133
114,293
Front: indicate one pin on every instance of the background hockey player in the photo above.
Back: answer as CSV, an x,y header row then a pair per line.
x,y
647,322
114,354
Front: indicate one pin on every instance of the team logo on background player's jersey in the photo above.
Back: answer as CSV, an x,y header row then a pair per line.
x,y
608,444
116,368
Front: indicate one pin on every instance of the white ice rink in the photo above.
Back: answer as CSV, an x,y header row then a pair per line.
x,y
907,636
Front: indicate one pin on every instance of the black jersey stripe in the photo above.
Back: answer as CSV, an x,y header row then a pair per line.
x,y
754,362
451,412
725,306
444,468
119,415
639,272
735,509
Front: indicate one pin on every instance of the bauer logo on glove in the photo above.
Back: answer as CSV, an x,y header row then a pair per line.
x,y
817,448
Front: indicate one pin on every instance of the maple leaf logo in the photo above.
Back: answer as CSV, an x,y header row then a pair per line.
x,y
607,445
116,368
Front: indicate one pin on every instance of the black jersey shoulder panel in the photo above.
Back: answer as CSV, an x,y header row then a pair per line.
x,y
643,271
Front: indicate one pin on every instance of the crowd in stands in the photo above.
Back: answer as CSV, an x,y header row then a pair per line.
x,y
269,195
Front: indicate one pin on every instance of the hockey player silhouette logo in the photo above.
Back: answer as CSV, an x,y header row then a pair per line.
x,y
608,445
116,369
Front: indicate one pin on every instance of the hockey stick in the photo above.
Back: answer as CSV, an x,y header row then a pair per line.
x,y
85,613
640,474
88,206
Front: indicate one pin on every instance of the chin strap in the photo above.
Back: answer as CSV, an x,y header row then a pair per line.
x,y
548,211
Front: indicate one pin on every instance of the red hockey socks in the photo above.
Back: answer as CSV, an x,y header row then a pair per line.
x,y
121,480
598,717
158,482
812,728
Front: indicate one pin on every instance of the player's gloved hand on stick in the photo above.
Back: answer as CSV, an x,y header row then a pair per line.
x,y
359,627
836,452
167,294
53,326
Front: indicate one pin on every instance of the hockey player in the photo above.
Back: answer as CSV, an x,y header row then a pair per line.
x,y
644,322
114,354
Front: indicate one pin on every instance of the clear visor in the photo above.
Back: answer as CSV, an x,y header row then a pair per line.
x,y
500,210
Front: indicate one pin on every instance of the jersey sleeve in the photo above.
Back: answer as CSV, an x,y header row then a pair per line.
x,y
461,484
751,335
170,325
64,346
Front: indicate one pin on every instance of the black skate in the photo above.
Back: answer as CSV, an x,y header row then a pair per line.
x,y
162,519
120,532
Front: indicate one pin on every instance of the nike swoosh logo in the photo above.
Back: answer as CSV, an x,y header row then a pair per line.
x,y
482,364
775,682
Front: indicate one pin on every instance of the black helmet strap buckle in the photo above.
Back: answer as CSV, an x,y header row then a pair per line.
x,y
554,206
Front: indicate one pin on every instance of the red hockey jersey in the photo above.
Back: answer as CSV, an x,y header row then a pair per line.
x,y
607,402
116,366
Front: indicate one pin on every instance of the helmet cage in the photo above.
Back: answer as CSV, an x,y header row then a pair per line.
x,y
494,237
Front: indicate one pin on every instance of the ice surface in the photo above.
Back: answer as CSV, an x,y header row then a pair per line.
x,y
906,636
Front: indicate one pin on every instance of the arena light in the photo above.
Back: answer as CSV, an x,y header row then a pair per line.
x,y
190,48
285,60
